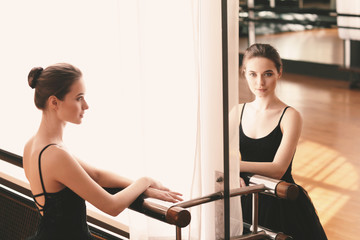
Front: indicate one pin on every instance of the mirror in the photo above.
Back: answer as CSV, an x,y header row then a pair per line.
x,y
301,30
322,4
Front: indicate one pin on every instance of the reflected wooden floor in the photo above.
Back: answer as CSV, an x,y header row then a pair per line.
x,y
327,161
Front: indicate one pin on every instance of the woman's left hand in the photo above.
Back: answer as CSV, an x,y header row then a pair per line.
x,y
242,183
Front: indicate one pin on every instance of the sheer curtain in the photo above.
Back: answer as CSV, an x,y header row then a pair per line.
x,y
211,161
158,52
153,76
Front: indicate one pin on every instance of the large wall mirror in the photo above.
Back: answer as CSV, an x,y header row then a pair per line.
x,y
302,30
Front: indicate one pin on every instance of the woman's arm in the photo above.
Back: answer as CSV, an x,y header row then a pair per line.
x,y
104,178
68,171
108,179
291,126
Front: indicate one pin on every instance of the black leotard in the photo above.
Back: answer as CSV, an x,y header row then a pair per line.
x,y
64,214
296,218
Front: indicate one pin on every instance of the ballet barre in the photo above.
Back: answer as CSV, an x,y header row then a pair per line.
x,y
176,214
173,215
265,233
275,187
257,184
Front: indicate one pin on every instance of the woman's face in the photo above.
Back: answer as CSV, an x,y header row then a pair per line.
x,y
73,106
261,75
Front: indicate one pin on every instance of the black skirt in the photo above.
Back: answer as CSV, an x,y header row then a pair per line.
x,y
296,218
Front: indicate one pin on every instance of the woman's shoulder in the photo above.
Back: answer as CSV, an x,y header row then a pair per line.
x,y
28,146
289,111
291,119
56,158
55,151
292,113
29,149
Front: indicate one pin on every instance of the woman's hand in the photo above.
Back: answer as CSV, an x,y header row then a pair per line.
x,y
157,185
242,182
159,191
165,195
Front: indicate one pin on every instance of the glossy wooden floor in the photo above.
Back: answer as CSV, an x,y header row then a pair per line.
x,y
327,161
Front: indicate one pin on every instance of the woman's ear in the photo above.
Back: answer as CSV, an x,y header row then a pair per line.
x,y
53,102
280,72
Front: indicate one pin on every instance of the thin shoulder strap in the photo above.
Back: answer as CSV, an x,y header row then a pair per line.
x,y
242,111
283,113
41,178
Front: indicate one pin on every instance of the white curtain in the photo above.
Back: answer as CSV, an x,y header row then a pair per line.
x,y
153,74
158,52
211,109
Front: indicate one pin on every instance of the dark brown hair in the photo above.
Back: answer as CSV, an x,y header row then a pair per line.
x,y
262,50
55,80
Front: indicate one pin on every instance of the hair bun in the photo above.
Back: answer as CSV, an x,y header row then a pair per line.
x,y
34,75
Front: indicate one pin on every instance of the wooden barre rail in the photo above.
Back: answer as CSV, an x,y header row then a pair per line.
x,y
275,187
263,235
269,234
257,184
173,215
11,158
177,214
220,195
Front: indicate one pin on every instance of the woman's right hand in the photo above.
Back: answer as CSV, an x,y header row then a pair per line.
x,y
164,195
159,191
157,185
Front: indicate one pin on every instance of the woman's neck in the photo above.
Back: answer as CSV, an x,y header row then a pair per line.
x,y
265,103
51,129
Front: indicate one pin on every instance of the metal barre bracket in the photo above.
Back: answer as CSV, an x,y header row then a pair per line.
x,y
278,188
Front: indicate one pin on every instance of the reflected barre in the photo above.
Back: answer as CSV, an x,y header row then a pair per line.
x,y
220,195
257,232
257,184
268,233
272,186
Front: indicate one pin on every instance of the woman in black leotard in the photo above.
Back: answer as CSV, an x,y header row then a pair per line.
x,y
59,181
269,133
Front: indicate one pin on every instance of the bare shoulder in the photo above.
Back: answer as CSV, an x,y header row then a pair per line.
x,y
293,114
239,108
292,118
28,147
27,155
57,157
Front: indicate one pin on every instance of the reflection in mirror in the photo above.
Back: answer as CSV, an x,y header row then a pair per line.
x,y
302,30
322,4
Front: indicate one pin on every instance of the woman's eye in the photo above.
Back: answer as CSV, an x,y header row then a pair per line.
x,y
268,74
252,74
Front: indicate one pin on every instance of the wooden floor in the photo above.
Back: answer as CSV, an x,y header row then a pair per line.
x,y
327,161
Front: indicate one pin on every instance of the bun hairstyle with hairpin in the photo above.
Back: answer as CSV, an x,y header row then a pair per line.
x,y
34,76
55,80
